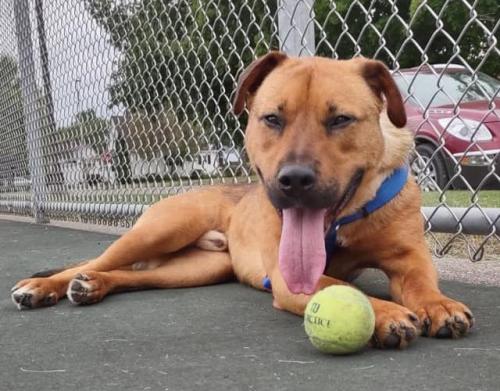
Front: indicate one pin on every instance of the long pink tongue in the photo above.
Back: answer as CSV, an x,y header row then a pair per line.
x,y
302,255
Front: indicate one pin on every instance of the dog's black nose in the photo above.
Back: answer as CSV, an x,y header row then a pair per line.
x,y
294,179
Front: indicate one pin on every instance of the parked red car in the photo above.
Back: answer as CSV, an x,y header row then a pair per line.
x,y
448,106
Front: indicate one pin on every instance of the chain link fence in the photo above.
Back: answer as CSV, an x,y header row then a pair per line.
x,y
109,105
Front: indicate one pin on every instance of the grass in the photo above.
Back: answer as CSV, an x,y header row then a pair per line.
x,y
148,193
462,198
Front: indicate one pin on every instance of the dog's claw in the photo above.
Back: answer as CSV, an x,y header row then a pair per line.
x,y
470,318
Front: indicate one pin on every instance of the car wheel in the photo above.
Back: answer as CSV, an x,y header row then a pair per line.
x,y
429,168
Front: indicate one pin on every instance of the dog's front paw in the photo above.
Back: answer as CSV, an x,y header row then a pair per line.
x,y
35,292
442,317
395,325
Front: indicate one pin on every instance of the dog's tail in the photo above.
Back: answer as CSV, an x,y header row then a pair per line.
x,y
51,272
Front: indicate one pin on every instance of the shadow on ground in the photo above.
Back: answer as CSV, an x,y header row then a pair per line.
x,y
225,337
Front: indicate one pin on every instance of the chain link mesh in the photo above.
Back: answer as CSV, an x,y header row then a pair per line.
x,y
109,105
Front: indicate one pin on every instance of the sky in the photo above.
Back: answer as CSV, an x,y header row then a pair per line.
x,y
80,58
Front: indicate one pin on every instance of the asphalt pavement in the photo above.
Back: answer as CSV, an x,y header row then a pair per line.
x,y
223,337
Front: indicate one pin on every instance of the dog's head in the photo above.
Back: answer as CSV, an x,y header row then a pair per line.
x,y
314,133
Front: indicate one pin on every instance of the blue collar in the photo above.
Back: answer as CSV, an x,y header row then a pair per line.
x,y
389,189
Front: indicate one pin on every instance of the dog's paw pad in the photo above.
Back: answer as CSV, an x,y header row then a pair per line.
x,y
85,288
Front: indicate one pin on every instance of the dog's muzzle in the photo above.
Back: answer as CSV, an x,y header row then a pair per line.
x,y
297,186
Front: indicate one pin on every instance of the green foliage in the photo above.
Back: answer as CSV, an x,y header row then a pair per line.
x,y
457,21
13,130
87,129
334,41
13,152
434,24
186,54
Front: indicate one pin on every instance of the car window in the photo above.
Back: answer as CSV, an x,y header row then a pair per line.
x,y
423,88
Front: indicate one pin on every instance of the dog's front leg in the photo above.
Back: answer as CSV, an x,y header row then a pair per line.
x,y
414,284
395,325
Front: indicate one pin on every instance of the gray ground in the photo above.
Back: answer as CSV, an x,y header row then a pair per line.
x,y
225,337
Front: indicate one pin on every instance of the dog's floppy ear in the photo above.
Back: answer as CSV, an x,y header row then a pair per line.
x,y
252,77
381,82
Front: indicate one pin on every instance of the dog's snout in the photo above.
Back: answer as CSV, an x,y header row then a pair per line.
x,y
294,179
299,186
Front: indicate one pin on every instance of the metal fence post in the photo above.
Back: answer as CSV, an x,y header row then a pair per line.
x,y
296,27
31,102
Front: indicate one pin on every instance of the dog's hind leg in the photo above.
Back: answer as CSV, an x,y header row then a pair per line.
x,y
166,227
187,268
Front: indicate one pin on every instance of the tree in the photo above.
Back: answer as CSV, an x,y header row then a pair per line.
x,y
14,155
460,27
13,130
185,55
181,58
435,25
159,133
86,129
350,28
346,31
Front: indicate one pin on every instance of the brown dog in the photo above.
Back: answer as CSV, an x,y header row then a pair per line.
x,y
321,147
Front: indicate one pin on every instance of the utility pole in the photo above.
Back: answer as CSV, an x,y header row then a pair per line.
x,y
55,177
31,109
296,27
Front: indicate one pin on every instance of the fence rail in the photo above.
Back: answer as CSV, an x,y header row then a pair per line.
x,y
109,105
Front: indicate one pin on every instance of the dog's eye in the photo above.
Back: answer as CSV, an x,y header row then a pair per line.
x,y
273,121
338,122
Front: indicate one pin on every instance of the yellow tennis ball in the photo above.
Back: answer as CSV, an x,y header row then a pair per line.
x,y
339,319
